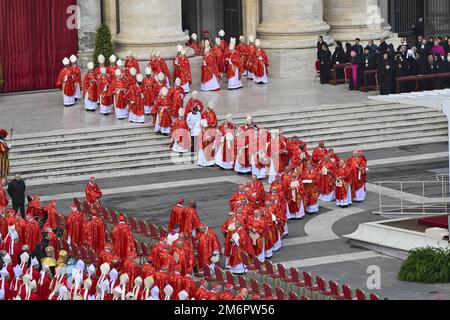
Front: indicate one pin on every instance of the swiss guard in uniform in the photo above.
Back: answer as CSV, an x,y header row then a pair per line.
x,y
4,155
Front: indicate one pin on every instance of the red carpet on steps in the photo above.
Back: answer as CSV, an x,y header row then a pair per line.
x,y
436,221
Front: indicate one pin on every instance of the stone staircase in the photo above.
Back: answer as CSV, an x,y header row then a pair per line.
x,y
130,148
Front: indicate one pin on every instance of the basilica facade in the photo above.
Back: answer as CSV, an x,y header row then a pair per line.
x,y
288,29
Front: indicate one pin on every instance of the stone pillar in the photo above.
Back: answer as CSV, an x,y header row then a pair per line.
x,y
437,15
289,33
90,20
147,25
350,19
250,17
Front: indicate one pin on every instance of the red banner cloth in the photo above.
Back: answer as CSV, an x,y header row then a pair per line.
x,y
34,38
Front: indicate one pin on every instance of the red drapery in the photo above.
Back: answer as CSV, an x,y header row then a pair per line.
x,y
34,38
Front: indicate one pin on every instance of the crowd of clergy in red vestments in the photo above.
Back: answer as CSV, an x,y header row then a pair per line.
x,y
120,88
34,267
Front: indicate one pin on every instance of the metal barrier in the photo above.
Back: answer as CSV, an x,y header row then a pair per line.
x,y
413,198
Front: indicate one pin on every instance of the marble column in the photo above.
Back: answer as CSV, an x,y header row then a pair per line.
x,y
250,17
289,33
90,20
350,19
149,25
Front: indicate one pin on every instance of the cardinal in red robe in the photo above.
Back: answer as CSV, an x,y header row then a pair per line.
x,y
261,65
3,198
20,228
75,224
195,45
93,191
210,72
176,97
235,68
123,241
177,216
225,155
52,213
132,62
319,153
210,115
76,71
183,257
135,98
358,175
193,102
326,170
120,88
95,233
182,70
32,233
343,186
131,268
150,95
90,89
66,82
191,219
162,109
240,242
310,178
35,207
180,136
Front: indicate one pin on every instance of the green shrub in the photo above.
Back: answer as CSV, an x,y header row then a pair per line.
x,y
426,265
103,44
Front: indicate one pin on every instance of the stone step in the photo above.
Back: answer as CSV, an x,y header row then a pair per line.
x,y
389,119
69,152
73,164
346,113
141,165
97,169
359,140
115,142
127,126
83,157
129,162
322,130
312,117
366,130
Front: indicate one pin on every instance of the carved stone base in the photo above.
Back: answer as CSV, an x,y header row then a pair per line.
x,y
292,63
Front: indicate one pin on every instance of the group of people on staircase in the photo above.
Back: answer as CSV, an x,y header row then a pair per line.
x,y
250,148
231,61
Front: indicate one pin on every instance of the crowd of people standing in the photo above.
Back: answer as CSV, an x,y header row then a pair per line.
x,y
120,88
425,56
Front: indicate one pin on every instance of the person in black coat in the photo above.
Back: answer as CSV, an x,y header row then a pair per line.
x,y
412,65
357,47
16,190
339,58
430,68
446,82
325,64
369,63
348,52
357,65
372,48
400,71
385,75
383,47
319,46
